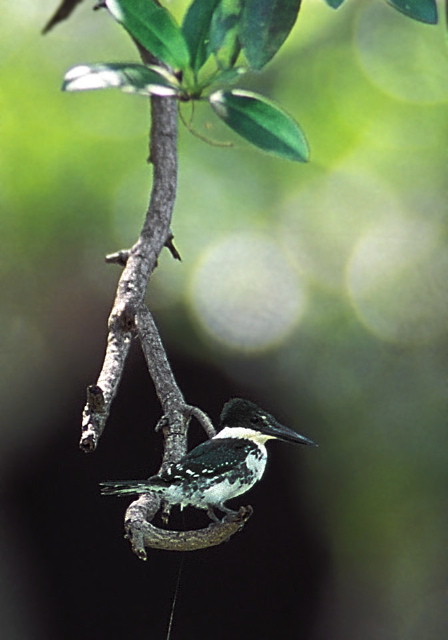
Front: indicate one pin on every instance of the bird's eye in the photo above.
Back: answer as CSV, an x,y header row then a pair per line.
x,y
255,419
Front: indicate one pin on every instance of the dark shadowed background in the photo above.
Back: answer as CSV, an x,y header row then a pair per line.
x,y
318,291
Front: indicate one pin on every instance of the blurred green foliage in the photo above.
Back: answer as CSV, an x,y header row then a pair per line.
x,y
338,277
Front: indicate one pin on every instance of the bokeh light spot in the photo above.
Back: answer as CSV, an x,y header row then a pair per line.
x,y
323,221
398,281
403,58
246,293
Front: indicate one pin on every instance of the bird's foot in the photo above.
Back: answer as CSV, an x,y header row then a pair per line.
x,y
230,514
243,514
212,515
165,513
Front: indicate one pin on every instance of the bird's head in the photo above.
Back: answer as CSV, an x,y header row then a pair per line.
x,y
242,415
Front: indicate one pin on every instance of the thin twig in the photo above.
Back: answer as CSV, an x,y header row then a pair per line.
x,y
214,143
119,257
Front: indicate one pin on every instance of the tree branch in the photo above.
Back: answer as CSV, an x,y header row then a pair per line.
x,y
142,534
140,263
130,317
175,410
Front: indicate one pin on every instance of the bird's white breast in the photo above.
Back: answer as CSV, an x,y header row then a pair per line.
x,y
230,487
225,486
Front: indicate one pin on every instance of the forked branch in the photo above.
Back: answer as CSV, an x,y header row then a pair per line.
x,y
140,262
130,318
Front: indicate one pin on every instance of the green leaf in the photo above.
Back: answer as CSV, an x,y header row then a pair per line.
x,y
131,78
154,28
224,42
261,122
334,4
422,10
265,25
196,30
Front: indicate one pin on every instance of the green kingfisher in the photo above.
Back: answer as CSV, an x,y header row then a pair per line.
x,y
221,468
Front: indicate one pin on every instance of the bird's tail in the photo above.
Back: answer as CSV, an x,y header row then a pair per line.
x,y
123,487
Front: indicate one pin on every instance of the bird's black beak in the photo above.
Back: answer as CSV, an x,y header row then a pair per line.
x,y
277,430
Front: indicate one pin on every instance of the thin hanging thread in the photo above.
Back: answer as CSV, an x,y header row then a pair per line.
x,y
189,126
176,591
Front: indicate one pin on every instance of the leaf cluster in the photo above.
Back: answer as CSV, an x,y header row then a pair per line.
x,y
217,42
